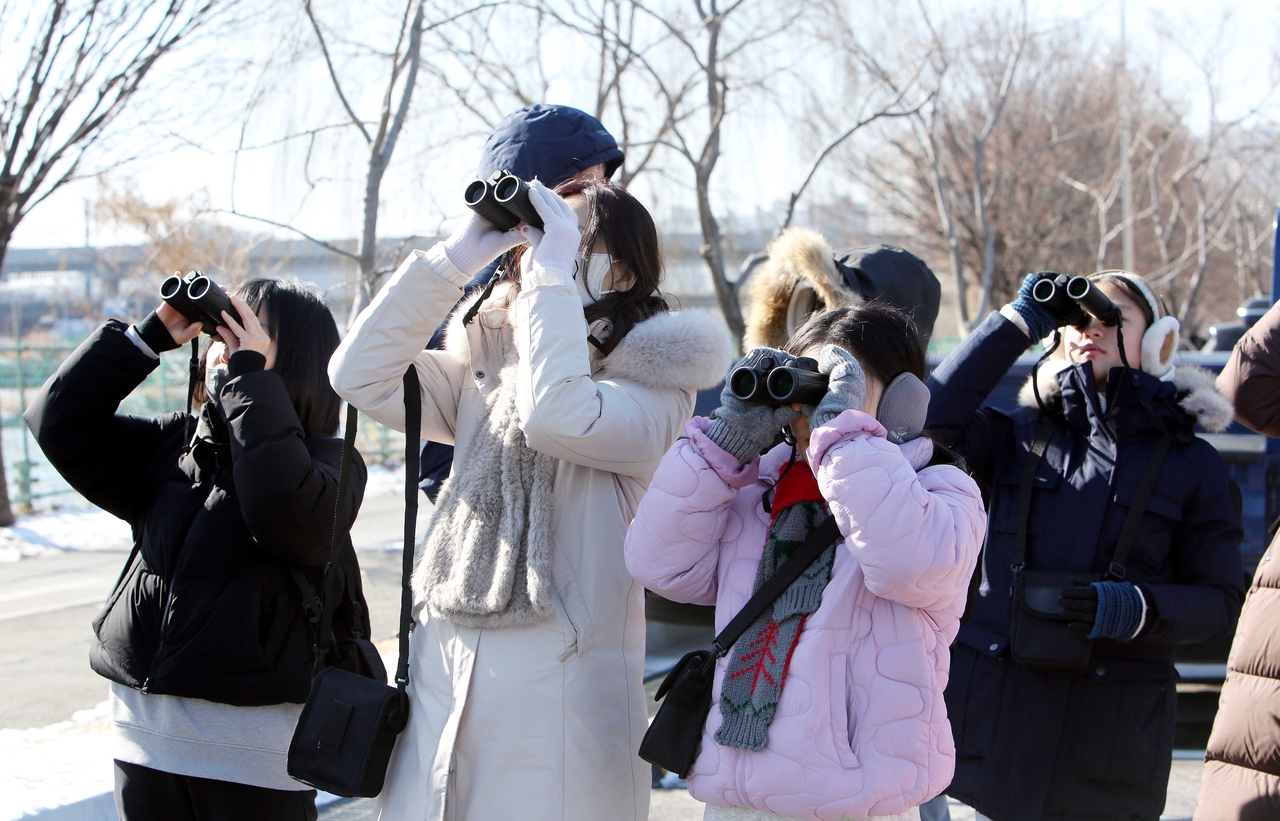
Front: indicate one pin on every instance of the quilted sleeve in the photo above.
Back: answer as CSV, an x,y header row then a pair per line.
x,y
916,536
673,545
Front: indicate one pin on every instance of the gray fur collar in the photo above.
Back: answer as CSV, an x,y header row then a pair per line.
x,y
1198,395
688,350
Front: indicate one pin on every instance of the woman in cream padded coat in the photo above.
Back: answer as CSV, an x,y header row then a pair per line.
x,y
528,650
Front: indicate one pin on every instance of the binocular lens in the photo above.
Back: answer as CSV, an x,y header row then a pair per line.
x,y
171,287
1043,290
782,383
475,192
506,188
743,383
199,287
1078,288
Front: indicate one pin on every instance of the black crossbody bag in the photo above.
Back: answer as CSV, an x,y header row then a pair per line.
x,y
1042,637
348,727
674,736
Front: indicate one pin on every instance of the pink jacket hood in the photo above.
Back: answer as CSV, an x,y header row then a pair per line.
x,y
861,728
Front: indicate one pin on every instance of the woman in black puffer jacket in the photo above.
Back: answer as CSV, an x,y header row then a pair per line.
x,y
208,636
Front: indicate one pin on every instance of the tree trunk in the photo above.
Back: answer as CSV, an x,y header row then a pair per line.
x,y
6,511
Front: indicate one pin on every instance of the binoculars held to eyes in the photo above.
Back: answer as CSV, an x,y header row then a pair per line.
x,y
199,299
769,382
1071,297
503,200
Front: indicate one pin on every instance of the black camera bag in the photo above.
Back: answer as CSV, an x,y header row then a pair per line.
x,y
348,727
1042,637
676,731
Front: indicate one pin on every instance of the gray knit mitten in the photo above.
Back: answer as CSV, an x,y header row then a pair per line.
x,y
846,385
744,429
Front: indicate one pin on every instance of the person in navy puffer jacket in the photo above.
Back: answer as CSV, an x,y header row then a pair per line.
x,y
1036,744
554,144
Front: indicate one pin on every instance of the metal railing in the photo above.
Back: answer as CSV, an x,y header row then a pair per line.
x,y
25,367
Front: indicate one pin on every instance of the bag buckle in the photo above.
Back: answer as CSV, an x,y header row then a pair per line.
x,y
1116,572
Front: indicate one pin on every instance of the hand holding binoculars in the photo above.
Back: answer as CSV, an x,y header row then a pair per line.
x,y
770,382
1074,299
503,200
199,299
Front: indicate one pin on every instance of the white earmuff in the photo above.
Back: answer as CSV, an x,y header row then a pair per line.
x,y
1160,346
1160,340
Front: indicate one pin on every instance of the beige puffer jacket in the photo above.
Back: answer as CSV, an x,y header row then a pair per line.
x,y
540,721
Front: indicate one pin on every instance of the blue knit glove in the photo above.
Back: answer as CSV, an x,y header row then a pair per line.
x,y
1111,610
744,429
1040,320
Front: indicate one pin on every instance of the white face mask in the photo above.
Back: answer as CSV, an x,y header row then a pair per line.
x,y
591,284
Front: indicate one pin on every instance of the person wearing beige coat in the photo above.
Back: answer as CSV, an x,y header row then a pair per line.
x,y
513,714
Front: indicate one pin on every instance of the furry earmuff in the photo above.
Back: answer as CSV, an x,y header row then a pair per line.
x,y
1160,340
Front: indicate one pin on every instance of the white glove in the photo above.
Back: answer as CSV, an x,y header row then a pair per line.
x,y
477,243
557,249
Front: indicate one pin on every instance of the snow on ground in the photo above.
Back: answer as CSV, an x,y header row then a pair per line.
x,y
385,480
93,529
57,765
61,765
63,530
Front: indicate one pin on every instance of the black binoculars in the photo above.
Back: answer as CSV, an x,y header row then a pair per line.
x,y
503,200
769,382
197,298
1071,297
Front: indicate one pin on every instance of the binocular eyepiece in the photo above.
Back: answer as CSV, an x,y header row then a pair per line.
x,y
503,200
199,299
769,382
1071,297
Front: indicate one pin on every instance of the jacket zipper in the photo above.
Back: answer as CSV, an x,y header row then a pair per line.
x,y
168,608
742,781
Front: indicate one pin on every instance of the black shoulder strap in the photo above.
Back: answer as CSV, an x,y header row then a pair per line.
x,y
1025,487
776,585
332,577
412,452
1129,532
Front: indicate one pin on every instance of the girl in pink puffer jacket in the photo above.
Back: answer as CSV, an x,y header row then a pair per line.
x,y
830,706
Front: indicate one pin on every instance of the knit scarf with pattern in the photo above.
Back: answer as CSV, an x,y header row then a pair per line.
x,y
758,664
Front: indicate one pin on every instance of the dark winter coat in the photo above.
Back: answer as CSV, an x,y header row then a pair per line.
x,y
206,606
1242,763
1038,745
551,143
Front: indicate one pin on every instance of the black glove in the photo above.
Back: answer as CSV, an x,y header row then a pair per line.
x,y
1079,603
1109,610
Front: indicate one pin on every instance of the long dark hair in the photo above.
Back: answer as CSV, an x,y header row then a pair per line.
x,y
306,335
629,234
884,339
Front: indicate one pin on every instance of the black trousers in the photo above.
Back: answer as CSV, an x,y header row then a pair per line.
x,y
144,794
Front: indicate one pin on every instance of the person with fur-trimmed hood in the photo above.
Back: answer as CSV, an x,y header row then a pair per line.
x,y
1061,474
803,275
561,388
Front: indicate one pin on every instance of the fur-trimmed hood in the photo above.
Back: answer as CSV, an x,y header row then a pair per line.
x,y
803,275
689,350
1197,393
798,256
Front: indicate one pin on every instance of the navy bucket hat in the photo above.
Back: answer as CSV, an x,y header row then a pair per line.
x,y
550,142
